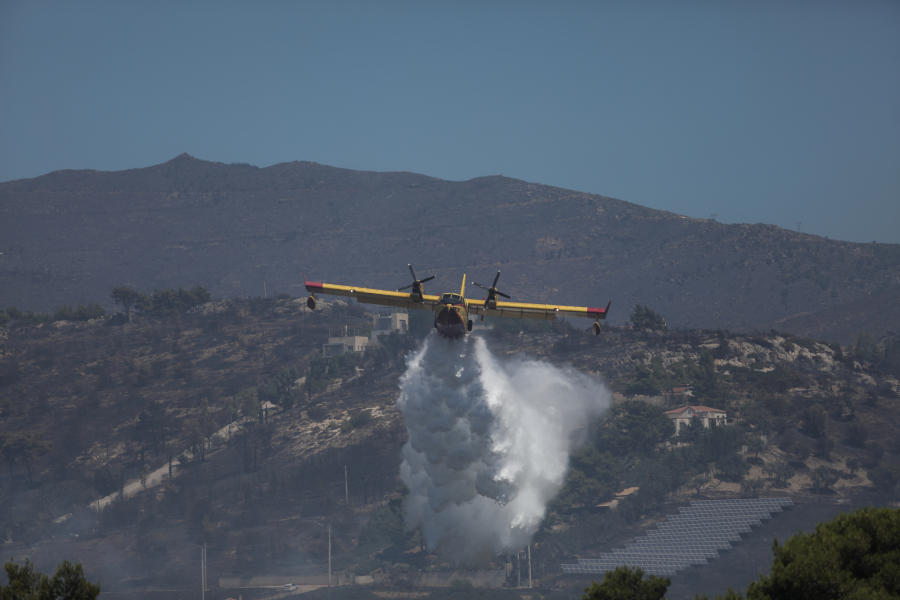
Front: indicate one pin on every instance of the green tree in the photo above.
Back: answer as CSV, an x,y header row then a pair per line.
x,y
170,302
732,467
197,430
855,555
824,447
280,389
248,402
592,475
634,427
866,349
28,318
152,427
699,481
626,583
105,481
643,382
68,583
693,431
889,364
755,445
644,317
780,470
126,297
752,486
816,419
823,478
705,377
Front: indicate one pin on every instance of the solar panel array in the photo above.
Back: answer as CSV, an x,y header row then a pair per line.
x,y
691,537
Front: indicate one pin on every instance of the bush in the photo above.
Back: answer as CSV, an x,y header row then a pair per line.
x,y
105,481
644,317
780,471
866,349
170,302
360,418
816,420
81,312
27,318
857,434
732,467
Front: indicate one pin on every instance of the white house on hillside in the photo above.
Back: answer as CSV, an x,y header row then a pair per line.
x,y
344,340
386,324
711,417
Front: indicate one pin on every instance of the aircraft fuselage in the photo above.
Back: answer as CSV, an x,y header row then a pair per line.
x,y
451,317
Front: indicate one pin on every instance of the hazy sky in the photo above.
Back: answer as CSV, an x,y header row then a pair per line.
x,y
772,112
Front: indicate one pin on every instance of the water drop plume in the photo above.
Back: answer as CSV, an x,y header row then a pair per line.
x,y
489,443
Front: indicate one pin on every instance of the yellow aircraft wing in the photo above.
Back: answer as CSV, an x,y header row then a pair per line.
x,y
370,296
547,312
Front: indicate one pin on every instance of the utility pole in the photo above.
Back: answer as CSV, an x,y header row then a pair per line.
x,y
519,569
346,488
203,572
329,555
529,564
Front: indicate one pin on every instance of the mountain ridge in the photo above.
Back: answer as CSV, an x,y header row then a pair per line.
x,y
73,235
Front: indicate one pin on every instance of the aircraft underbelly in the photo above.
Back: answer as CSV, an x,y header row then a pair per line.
x,y
450,321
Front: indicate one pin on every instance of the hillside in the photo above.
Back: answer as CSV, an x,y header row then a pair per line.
x,y
71,236
97,392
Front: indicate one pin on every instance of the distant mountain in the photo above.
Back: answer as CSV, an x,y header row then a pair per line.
x,y
72,236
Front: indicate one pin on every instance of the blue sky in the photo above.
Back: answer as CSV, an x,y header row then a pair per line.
x,y
773,112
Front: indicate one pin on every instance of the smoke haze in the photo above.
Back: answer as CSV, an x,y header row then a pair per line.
x,y
489,443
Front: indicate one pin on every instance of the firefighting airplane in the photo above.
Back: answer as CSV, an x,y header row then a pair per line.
x,y
452,311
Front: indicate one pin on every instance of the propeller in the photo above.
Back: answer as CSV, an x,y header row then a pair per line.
x,y
492,291
417,283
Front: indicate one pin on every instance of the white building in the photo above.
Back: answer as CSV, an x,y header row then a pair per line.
x,y
385,324
711,417
344,340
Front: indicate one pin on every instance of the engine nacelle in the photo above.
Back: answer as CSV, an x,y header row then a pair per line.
x,y
596,328
311,302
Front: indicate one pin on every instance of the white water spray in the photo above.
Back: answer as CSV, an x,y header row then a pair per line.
x,y
489,442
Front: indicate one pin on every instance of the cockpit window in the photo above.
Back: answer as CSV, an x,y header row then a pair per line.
x,y
450,299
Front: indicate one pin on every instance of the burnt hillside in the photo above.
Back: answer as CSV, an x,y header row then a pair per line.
x,y
72,236
260,499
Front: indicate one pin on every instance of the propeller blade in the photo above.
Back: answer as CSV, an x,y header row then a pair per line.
x,y
501,294
405,288
495,279
479,285
427,279
411,271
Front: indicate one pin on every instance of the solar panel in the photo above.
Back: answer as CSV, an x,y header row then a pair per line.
x,y
699,531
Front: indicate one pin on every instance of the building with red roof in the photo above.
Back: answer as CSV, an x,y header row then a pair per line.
x,y
711,417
